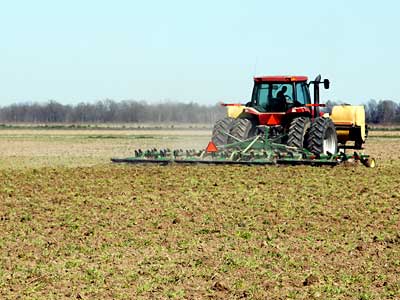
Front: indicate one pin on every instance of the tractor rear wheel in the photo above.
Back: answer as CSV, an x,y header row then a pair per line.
x,y
242,129
322,138
298,132
220,130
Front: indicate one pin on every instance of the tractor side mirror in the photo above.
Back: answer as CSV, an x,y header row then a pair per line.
x,y
326,83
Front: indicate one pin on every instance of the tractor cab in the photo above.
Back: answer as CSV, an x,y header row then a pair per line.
x,y
279,93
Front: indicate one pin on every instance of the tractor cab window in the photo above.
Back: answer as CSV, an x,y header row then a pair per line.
x,y
272,97
302,94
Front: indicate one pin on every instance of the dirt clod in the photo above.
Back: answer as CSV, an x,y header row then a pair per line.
x,y
220,286
310,280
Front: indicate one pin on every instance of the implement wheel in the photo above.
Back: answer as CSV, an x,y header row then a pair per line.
x,y
358,144
298,131
322,138
242,129
369,162
220,130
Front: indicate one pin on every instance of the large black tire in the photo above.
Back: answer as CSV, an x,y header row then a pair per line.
x,y
298,132
322,138
242,129
220,130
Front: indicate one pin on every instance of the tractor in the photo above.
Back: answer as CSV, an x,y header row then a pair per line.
x,y
283,104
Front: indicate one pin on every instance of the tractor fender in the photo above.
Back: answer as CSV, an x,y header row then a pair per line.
x,y
296,112
299,110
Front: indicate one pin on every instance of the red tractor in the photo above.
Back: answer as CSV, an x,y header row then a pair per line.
x,y
283,103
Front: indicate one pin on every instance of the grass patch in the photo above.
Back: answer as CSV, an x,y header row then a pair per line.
x,y
147,137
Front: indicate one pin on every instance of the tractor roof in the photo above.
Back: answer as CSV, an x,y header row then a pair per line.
x,y
280,78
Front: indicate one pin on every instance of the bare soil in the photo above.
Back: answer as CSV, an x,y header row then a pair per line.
x,y
73,225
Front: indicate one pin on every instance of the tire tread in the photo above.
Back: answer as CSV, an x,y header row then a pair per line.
x,y
219,136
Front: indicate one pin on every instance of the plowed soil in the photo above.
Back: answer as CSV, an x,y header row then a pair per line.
x,y
72,225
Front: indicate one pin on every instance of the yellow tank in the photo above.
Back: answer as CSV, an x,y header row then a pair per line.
x,y
350,123
234,110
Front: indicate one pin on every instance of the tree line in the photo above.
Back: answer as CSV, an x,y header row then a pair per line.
x,y
109,111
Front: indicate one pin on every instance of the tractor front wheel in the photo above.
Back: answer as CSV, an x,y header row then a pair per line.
x,y
298,131
322,138
220,130
242,129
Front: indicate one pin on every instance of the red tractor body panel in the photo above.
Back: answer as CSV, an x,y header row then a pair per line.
x,y
276,118
270,119
282,79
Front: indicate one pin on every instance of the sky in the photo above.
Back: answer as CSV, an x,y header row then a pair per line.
x,y
201,51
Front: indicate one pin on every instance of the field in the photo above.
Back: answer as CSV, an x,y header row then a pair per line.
x,y
72,225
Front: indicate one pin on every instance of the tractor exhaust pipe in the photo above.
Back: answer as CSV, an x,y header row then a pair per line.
x,y
317,81
316,95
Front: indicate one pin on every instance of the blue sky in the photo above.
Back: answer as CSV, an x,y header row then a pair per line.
x,y
203,51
